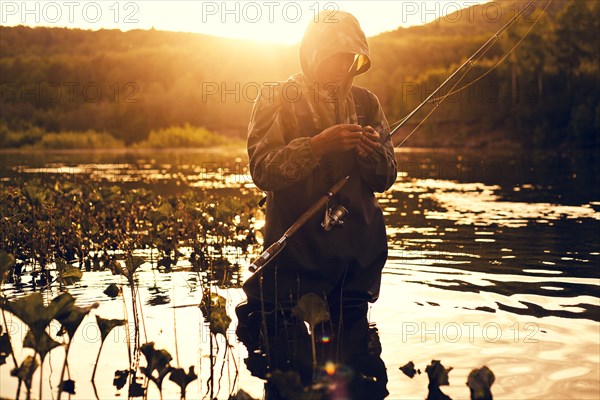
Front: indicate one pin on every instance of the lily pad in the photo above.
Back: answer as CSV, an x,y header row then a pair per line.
x,y
33,313
107,325
71,317
136,389
312,309
25,371
438,375
67,274
480,383
290,386
40,342
67,386
182,379
112,290
132,263
120,378
158,360
409,369
219,321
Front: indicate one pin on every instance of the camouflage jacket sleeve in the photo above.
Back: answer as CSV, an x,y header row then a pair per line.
x,y
379,169
275,164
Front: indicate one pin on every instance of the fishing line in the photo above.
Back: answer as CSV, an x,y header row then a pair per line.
x,y
507,54
275,248
437,101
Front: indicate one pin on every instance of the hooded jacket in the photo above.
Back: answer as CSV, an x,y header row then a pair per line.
x,y
283,163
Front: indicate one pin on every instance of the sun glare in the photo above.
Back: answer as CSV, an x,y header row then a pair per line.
x,y
264,21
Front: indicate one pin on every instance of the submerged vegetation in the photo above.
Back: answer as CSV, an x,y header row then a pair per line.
x,y
53,233
52,227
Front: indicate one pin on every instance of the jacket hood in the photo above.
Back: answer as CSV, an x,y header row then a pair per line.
x,y
333,32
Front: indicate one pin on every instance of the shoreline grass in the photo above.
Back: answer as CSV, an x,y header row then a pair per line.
x,y
186,137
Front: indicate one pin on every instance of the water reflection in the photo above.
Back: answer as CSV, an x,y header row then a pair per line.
x,y
471,232
509,242
348,362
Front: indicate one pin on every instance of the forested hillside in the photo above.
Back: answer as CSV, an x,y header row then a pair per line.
x,y
131,83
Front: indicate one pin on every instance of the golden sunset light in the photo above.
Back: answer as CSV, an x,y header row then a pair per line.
x,y
278,200
266,21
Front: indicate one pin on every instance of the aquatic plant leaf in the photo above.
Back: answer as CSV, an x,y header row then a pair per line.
x,y
67,274
136,389
219,321
67,386
158,360
40,342
62,304
409,369
438,375
71,320
33,313
7,261
5,346
480,382
132,263
25,371
120,378
218,301
182,379
107,325
311,308
112,290
210,302
115,268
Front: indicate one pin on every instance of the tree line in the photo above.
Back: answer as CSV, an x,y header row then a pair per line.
x,y
128,84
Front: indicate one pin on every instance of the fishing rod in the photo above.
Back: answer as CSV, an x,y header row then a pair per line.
x,y
470,62
274,249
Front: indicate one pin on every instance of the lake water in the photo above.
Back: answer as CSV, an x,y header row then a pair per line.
x,y
494,260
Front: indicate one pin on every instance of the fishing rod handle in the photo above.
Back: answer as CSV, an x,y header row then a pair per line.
x,y
316,207
276,247
267,255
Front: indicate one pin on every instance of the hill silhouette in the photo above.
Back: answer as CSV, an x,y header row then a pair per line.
x,y
131,83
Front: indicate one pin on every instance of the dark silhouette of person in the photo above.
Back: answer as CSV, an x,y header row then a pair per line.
x,y
304,135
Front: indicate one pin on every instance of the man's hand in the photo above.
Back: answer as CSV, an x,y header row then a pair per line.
x,y
369,142
337,139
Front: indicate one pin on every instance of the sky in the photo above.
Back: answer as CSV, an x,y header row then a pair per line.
x,y
269,21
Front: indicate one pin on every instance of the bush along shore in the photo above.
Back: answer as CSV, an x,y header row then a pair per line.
x,y
186,136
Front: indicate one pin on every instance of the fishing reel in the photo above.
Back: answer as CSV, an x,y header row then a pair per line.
x,y
334,216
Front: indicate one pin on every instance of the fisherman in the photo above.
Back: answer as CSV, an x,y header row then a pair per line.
x,y
304,135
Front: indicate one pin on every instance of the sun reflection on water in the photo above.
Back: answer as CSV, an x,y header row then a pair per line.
x,y
479,273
